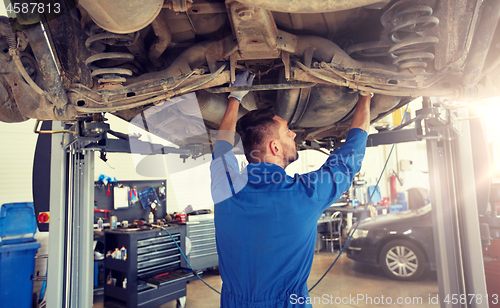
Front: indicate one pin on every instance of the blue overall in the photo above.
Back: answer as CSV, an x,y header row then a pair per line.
x,y
266,223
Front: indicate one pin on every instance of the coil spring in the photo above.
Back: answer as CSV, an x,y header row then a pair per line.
x,y
405,21
96,44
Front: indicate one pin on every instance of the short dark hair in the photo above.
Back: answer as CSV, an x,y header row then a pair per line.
x,y
253,129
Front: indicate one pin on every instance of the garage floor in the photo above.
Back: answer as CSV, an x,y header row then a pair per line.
x,y
346,281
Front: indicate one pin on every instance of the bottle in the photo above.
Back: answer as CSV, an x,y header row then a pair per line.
x,y
355,202
113,221
151,217
117,254
99,224
124,285
123,253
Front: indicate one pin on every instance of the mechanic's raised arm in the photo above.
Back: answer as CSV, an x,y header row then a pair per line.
x,y
361,117
335,176
224,167
227,127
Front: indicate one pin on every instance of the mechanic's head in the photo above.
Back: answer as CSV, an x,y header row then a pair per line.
x,y
267,138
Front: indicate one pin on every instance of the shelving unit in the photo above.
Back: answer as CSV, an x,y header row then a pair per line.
x,y
152,268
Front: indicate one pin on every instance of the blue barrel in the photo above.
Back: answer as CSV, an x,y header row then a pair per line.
x,y
17,265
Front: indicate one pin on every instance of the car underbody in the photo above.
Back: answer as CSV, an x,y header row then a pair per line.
x,y
311,59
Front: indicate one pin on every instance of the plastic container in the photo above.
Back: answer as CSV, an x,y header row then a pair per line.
x,y
113,222
17,265
99,224
123,253
17,223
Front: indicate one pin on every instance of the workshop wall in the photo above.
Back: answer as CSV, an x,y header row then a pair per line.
x,y
188,183
416,152
16,164
16,161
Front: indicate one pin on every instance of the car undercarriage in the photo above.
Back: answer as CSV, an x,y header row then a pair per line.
x,y
149,59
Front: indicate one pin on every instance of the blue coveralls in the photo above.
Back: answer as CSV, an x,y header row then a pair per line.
x,y
266,223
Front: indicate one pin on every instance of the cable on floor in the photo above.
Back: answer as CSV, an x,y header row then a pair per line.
x,y
185,258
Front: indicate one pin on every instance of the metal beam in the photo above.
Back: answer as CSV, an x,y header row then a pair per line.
x,y
444,220
392,136
57,235
468,214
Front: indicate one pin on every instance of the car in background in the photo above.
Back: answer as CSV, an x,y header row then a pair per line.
x,y
401,244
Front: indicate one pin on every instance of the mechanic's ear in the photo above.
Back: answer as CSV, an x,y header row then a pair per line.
x,y
275,147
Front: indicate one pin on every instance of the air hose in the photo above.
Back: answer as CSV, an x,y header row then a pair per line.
x,y
185,258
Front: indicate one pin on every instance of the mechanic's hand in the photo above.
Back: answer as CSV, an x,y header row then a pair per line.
x,y
242,79
366,93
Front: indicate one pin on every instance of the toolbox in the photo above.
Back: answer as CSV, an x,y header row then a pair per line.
x,y
152,268
200,232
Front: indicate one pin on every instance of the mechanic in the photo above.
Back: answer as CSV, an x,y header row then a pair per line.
x,y
265,220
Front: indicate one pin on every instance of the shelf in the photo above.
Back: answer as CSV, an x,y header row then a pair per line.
x,y
116,264
115,292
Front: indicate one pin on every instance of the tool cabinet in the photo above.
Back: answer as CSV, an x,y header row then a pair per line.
x,y
152,268
200,233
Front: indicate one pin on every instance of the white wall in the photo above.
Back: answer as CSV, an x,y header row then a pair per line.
x,y
16,164
187,184
376,157
16,161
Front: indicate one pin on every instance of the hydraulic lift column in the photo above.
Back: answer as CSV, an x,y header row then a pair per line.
x,y
70,263
455,216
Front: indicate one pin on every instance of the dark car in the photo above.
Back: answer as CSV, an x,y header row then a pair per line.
x,y
402,243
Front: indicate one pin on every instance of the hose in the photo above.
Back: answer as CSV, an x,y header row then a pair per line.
x,y
185,258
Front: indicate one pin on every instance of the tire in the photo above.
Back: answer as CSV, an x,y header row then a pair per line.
x,y
402,260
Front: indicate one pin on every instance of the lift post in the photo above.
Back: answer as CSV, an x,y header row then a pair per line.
x,y
70,263
455,217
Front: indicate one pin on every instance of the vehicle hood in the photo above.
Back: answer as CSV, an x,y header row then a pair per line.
x,y
399,218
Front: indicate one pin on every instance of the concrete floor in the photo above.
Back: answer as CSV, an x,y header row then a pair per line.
x,y
346,280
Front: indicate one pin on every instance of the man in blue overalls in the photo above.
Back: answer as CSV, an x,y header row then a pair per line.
x,y
265,220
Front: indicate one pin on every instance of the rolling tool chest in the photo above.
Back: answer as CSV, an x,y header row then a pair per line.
x,y
152,268
200,232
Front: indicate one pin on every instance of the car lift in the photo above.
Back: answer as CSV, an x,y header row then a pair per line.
x,y
455,215
70,262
